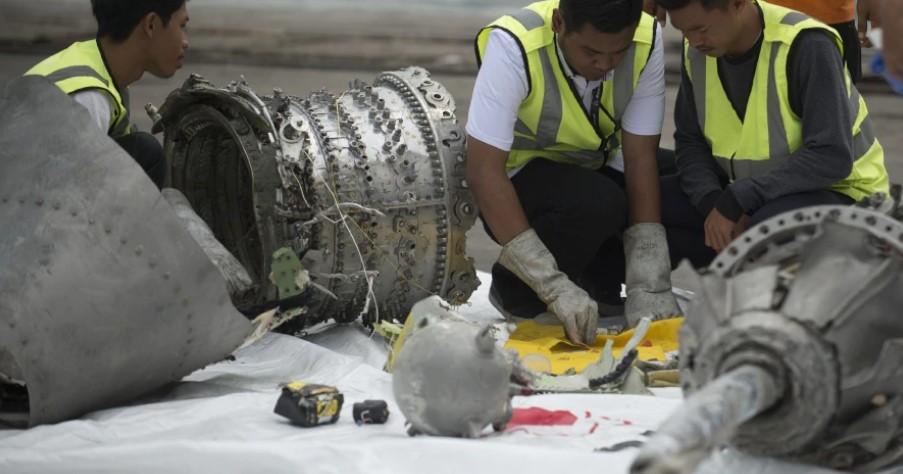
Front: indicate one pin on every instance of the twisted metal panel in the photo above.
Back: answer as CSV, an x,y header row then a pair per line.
x,y
104,295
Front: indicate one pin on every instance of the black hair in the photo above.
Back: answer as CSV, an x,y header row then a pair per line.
x,y
607,16
678,4
117,19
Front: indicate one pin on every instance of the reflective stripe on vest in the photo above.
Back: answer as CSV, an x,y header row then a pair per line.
x,y
529,19
81,67
771,131
552,122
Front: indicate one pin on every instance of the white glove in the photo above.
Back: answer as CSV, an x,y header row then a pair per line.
x,y
528,258
648,274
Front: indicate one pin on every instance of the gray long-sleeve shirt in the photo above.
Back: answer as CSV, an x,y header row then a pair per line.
x,y
818,95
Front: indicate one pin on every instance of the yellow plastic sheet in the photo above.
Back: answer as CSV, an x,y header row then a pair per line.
x,y
531,339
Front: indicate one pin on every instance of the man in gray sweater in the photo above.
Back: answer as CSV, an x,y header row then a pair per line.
x,y
767,122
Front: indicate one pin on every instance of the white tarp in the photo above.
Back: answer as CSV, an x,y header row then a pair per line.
x,y
221,420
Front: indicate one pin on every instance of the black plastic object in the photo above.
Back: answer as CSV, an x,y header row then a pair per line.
x,y
371,412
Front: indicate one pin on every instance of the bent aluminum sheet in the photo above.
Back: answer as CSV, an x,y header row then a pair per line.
x,y
104,295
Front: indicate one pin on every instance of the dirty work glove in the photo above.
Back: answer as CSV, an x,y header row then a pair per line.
x,y
528,258
648,274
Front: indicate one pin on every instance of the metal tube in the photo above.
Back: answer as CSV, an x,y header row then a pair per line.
x,y
707,418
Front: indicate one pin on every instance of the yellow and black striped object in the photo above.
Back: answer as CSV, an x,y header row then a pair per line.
x,y
310,405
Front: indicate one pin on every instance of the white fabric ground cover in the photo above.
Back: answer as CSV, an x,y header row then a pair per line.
x,y
220,420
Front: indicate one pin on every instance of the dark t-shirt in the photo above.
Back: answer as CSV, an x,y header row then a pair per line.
x,y
737,74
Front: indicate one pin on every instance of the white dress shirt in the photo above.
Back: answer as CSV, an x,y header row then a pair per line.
x,y
501,88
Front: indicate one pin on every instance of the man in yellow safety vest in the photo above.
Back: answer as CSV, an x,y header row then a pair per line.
x,y
565,116
133,37
768,121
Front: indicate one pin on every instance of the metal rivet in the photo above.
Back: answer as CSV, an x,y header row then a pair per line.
x,y
879,400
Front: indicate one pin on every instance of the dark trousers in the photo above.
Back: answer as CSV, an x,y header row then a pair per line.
x,y
686,226
852,50
579,214
147,152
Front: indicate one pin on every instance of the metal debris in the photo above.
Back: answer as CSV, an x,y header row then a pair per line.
x,y
450,379
104,294
792,347
366,187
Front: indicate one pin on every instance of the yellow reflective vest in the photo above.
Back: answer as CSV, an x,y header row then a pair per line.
x,y
81,66
771,131
552,122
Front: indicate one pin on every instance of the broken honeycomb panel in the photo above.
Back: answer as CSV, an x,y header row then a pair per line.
x,y
273,172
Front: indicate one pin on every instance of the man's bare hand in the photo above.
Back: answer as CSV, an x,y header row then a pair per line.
x,y
719,231
741,226
869,12
892,18
887,15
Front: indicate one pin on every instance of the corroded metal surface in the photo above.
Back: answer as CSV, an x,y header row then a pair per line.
x,y
104,295
450,379
813,298
366,184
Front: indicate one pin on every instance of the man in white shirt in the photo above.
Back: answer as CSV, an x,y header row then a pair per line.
x,y
566,115
133,37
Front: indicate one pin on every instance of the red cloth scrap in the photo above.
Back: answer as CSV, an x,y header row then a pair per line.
x,y
541,417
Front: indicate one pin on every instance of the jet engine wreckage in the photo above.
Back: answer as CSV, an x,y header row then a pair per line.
x,y
366,188
792,347
324,208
